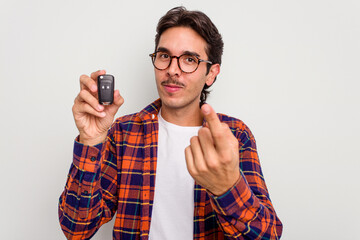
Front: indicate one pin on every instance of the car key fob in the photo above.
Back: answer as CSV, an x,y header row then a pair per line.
x,y
106,89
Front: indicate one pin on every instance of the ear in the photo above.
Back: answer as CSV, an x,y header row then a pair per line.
x,y
214,71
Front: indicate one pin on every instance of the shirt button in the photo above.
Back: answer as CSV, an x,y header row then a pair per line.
x,y
86,192
153,116
93,159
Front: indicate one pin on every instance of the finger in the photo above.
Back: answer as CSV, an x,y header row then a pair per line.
x,y
95,75
199,161
207,143
118,101
190,161
215,126
87,82
86,108
86,96
211,117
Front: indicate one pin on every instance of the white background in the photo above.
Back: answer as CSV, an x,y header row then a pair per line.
x,y
290,72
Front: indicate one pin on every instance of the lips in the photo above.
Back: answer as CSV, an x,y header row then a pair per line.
x,y
171,88
172,85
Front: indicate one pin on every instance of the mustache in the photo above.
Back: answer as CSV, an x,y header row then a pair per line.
x,y
172,81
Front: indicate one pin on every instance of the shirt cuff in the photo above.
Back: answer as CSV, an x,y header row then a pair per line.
x,y
87,158
236,200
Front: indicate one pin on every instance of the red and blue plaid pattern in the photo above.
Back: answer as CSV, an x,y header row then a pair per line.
x,y
119,176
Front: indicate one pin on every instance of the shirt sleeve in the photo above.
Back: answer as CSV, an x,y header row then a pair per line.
x,y
89,198
245,211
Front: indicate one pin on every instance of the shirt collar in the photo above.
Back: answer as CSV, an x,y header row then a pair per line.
x,y
151,111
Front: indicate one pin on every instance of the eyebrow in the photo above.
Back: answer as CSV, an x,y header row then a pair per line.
x,y
163,49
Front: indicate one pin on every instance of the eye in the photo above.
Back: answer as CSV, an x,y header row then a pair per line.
x,y
162,55
189,59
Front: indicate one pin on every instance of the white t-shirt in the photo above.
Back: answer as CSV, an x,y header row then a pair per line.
x,y
173,209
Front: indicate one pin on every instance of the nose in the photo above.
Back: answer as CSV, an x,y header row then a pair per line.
x,y
174,69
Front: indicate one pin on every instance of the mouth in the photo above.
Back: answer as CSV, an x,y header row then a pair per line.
x,y
171,86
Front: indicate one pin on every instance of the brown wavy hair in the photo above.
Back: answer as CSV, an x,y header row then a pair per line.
x,y
200,23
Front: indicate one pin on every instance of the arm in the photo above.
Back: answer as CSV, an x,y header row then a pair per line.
x,y
245,210
227,166
90,195
89,198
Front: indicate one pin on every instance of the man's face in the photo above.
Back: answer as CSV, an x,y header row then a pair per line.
x,y
178,89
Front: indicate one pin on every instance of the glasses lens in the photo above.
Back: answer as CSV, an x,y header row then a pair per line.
x,y
161,60
188,63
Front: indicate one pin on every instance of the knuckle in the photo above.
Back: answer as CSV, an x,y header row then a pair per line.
x,y
73,108
192,171
202,131
187,151
227,159
122,100
213,164
83,77
201,170
194,140
217,134
235,144
82,93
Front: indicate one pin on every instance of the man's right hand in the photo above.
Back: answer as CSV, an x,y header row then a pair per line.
x,y
91,118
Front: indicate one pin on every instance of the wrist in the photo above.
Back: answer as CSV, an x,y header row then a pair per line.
x,y
227,188
91,141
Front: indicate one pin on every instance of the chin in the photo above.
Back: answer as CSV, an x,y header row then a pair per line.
x,y
177,103
171,103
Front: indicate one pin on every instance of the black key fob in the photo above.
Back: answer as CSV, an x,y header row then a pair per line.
x,y
106,89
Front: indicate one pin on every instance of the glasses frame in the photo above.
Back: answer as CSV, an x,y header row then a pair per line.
x,y
153,56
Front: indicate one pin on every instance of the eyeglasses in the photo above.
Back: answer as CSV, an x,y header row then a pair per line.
x,y
187,63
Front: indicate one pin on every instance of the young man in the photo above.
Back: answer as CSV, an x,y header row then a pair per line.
x,y
172,170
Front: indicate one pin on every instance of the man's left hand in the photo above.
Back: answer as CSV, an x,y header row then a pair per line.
x,y
213,156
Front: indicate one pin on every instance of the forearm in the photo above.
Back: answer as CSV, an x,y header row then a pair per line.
x,y
246,215
245,211
85,203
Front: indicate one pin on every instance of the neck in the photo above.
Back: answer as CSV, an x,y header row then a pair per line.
x,y
189,116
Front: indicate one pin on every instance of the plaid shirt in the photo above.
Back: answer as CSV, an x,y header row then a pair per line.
x,y
119,176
